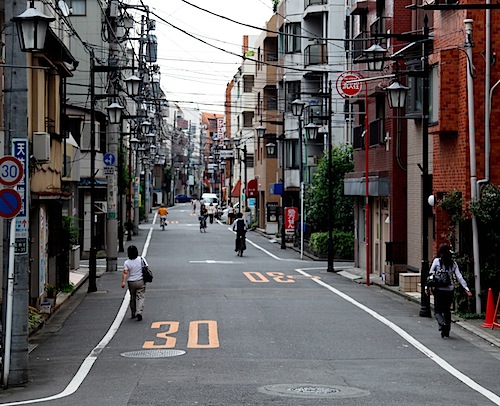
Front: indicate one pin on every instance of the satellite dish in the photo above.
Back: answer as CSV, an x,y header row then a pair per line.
x,y
64,8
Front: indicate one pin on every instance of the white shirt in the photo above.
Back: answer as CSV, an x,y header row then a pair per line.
x,y
134,268
454,270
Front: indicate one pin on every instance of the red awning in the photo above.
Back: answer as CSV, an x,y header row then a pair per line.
x,y
236,189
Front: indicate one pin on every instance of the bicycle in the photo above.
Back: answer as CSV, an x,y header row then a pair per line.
x,y
163,222
240,245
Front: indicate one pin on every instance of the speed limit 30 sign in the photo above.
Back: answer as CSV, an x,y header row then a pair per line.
x,y
11,171
347,85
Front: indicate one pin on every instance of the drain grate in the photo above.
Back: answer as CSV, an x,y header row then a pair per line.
x,y
313,391
153,353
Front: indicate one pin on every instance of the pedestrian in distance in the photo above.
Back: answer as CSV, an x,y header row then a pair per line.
x,y
203,218
443,295
211,212
193,204
132,275
230,213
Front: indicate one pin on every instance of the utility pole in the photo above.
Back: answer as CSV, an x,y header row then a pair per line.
x,y
112,141
16,126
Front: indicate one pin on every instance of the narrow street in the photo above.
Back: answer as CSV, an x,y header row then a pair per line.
x,y
263,329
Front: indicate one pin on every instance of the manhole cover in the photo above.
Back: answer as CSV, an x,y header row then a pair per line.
x,y
313,391
152,353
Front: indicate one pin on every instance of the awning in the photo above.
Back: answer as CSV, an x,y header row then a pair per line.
x,y
236,189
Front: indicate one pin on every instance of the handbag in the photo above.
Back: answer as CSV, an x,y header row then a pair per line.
x,y
439,279
147,274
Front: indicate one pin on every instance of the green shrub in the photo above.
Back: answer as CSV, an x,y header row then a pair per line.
x,y
343,243
34,318
68,288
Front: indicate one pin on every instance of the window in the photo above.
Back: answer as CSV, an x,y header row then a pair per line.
x,y
248,118
292,32
434,94
292,154
292,93
415,93
248,81
78,7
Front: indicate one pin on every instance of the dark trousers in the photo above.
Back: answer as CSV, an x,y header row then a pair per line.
x,y
240,237
442,308
211,218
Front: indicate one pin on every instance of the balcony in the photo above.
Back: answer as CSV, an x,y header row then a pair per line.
x,y
359,44
359,7
315,54
377,28
377,132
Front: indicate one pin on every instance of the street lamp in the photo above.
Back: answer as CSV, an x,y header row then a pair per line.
x,y
396,95
297,110
375,57
270,148
114,113
133,84
261,132
32,26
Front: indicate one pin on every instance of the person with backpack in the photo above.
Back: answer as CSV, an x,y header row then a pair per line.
x,y
241,229
444,270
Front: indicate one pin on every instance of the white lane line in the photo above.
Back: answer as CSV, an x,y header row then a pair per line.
x,y
87,364
415,343
271,254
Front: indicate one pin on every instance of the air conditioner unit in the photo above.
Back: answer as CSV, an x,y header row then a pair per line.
x,y
41,146
312,161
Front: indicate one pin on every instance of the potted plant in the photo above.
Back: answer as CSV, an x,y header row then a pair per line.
x,y
51,292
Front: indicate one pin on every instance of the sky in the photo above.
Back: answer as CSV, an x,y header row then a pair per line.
x,y
195,74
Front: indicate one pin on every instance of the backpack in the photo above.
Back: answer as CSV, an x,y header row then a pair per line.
x,y
240,225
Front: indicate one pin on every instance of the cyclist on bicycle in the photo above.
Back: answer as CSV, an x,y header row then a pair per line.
x,y
162,212
241,229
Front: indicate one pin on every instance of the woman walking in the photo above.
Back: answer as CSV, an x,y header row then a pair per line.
x,y
132,274
211,212
443,295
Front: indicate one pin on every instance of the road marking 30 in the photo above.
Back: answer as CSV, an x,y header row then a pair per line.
x,y
193,337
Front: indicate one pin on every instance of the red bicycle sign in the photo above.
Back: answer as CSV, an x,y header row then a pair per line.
x,y
347,85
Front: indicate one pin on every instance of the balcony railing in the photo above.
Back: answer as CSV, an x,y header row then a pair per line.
x,y
359,45
315,54
377,28
308,3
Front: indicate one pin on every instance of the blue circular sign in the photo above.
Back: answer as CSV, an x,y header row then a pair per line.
x,y
10,203
109,159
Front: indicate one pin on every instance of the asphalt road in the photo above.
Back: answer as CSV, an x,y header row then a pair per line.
x,y
264,329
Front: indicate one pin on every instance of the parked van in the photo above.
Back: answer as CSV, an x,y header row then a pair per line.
x,y
210,198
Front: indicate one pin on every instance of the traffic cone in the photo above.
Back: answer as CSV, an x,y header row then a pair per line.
x,y
490,310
